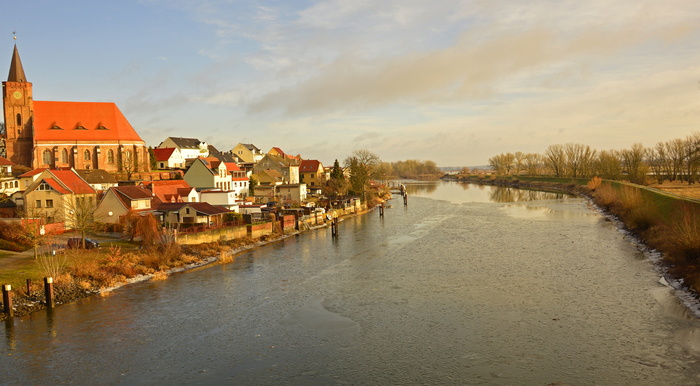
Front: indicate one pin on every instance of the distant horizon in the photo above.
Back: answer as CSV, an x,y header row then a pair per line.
x,y
454,82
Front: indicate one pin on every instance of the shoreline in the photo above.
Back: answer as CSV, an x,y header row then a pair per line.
x,y
71,292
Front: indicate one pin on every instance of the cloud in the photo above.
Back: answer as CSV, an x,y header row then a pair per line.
x,y
476,66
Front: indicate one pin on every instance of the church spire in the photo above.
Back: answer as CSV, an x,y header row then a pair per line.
x,y
16,69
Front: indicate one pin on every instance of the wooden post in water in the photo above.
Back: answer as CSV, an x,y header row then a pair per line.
x,y
29,287
334,227
405,199
48,292
381,210
7,300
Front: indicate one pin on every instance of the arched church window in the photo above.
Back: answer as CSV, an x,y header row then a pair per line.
x,y
47,157
64,156
110,156
86,155
19,119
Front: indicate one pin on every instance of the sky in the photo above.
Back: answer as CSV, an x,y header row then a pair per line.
x,y
450,81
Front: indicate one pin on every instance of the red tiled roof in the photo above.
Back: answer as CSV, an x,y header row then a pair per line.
x,y
309,165
5,161
81,121
56,186
164,153
33,172
133,192
72,181
232,167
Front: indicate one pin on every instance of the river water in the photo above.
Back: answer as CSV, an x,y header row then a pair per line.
x,y
464,285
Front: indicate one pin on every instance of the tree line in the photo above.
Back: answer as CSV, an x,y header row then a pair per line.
x,y
674,160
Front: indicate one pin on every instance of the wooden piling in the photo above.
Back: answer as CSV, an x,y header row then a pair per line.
x,y
29,287
48,292
7,300
381,210
405,199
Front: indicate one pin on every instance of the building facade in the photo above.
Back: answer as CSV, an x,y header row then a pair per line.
x,y
79,135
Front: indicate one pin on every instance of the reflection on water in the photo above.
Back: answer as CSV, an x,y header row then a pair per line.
x,y
465,192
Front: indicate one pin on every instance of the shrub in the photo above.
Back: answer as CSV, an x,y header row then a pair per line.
x,y
594,183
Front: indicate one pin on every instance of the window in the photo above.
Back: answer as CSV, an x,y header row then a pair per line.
x,y
16,184
187,210
110,157
47,156
38,203
64,156
86,155
49,203
19,119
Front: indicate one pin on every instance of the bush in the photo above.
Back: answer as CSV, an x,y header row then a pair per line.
x,y
12,246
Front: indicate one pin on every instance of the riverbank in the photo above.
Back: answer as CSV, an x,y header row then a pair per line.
x,y
69,289
662,223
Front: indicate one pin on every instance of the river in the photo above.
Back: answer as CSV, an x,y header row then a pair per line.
x,y
464,285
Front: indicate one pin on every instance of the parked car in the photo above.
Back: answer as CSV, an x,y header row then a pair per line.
x,y
76,242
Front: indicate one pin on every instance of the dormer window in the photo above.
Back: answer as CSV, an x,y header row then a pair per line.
x,y
56,127
80,127
100,127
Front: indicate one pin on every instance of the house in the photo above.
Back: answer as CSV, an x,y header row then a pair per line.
x,y
239,181
169,158
99,179
79,135
248,153
119,200
190,148
265,193
269,177
210,173
288,168
291,193
311,173
224,198
171,191
280,153
56,194
191,213
223,156
9,184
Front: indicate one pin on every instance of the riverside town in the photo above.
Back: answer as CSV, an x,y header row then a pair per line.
x,y
129,262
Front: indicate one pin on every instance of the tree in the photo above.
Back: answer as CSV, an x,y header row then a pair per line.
x,y
127,164
633,164
81,216
555,159
608,165
362,164
152,158
251,186
337,171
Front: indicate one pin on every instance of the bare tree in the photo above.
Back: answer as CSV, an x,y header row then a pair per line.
x,y
555,159
81,216
633,163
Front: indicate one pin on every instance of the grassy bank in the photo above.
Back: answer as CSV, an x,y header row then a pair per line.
x,y
667,223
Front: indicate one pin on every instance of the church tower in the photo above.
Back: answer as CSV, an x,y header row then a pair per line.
x,y
18,105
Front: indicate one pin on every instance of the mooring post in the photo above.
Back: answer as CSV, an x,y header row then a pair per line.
x,y
29,287
7,300
405,199
48,292
381,210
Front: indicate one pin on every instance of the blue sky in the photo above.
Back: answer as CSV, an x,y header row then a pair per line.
x,y
455,82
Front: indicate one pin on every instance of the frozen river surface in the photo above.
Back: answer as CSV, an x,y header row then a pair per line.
x,y
465,285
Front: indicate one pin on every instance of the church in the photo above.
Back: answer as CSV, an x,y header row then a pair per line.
x,y
80,135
